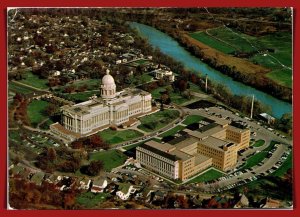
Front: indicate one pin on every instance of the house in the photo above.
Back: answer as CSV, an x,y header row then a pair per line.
x,y
85,183
125,189
161,74
99,185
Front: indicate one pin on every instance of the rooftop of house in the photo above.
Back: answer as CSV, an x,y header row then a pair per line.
x,y
124,187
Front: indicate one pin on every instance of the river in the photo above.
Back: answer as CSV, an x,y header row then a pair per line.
x,y
172,48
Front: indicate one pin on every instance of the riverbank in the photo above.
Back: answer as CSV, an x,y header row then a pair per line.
x,y
239,69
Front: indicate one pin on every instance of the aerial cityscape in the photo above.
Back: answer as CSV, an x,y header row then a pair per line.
x,y
150,108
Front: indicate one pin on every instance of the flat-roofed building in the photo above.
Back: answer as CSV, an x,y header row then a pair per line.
x,y
223,153
171,161
215,143
238,136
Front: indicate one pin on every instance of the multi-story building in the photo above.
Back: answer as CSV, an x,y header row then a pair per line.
x,y
113,108
215,143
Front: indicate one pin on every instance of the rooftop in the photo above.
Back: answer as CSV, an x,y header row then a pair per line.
x,y
214,143
187,142
199,158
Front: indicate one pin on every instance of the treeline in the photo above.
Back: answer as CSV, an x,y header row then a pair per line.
x,y
17,112
27,195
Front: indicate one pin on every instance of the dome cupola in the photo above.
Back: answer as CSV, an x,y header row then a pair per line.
x,y
108,87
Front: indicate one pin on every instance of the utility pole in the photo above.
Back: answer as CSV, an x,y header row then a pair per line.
x,y
206,83
252,103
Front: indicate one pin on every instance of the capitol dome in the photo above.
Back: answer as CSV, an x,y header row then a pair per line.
x,y
108,87
108,79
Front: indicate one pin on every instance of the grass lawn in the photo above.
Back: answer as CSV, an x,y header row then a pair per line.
x,y
35,81
89,199
192,119
36,111
157,120
13,134
110,158
17,88
259,157
212,42
282,76
92,84
140,143
175,97
259,143
81,97
287,164
113,136
207,176
46,125
172,131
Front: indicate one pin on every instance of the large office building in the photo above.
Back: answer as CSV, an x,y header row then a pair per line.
x,y
214,143
113,108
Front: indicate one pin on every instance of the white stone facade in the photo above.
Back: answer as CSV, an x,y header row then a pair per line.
x,y
113,108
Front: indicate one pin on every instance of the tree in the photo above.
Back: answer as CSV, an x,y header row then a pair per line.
x,y
52,109
94,168
51,154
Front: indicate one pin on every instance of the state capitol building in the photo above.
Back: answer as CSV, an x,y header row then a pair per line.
x,y
113,108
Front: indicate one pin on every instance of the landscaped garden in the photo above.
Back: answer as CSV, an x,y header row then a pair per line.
x,y
191,119
259,143
157,120
173,131
113,136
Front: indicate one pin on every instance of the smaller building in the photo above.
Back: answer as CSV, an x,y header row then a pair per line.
x,y
99,185
161,74
267,118
125,190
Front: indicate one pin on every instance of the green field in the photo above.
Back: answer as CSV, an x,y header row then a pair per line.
x,y
287,164
192,119
113,136
212,42
110,158
157,120
207,176
259,143
89,200
172,131
35,81
36,111
283,77
17,88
